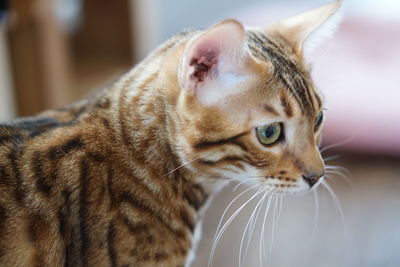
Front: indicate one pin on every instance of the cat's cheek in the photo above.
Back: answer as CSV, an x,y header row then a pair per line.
x,y
247,174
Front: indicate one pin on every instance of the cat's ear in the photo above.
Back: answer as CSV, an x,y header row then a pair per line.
x,y
213,61
307,30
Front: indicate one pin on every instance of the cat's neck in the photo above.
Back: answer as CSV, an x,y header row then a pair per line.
x,y
146,131
146,125
146,100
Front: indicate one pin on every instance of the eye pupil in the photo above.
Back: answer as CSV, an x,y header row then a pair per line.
x,y
269,132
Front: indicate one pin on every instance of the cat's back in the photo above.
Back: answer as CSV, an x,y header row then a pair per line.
x,y
71,191
40,159
18,222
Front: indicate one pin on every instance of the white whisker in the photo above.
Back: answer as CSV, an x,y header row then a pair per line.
x,y
246,227
230,204
229,221
280,207
245,181
273,226
180,166
338,168
254,222
331,158
262,245
333,145
316,213
337,204
341,175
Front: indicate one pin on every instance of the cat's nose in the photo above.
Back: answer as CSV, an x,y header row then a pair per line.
x,y
312,178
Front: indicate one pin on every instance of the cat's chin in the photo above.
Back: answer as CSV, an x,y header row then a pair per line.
x,y
299,191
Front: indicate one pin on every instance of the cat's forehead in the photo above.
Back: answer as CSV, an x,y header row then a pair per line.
x,y
286,69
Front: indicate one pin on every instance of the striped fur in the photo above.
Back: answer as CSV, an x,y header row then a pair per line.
x,y
121,179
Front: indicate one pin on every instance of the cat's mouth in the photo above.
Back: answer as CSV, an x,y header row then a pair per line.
x,y
291,186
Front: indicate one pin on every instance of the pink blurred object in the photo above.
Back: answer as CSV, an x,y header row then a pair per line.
x,y
358,72
360,78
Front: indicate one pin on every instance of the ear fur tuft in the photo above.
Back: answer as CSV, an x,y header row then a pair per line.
x,y
307,30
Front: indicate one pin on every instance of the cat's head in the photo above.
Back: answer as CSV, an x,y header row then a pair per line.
x,y
248,109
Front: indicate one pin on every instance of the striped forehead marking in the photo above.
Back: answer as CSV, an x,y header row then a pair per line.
x,y
285,70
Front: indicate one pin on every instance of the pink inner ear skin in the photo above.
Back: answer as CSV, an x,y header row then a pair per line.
x,y
203,62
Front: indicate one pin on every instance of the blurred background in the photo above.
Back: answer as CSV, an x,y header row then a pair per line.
x,y
53,52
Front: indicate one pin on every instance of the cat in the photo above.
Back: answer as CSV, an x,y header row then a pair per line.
x,y
122,179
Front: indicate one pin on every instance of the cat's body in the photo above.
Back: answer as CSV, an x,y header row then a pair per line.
x,y
120,179
77,191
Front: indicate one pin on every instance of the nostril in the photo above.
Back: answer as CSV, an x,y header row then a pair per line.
x,y
311,179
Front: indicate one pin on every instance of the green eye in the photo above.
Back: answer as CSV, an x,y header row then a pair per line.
x,y
318,120
269,134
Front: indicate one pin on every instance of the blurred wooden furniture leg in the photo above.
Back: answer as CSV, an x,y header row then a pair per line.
x,y
7,105
39,56
145,26
102,44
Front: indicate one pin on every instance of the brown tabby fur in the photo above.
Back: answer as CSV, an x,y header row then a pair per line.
x,y
98,183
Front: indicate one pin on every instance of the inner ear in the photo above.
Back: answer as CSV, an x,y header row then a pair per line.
x,y
216,51
204,62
